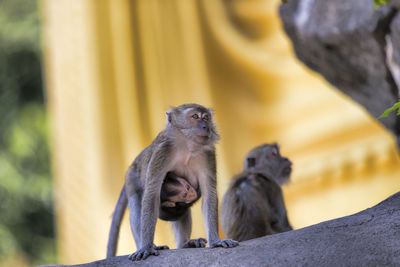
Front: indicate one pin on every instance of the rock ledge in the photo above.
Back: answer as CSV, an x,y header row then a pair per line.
x,y
368,238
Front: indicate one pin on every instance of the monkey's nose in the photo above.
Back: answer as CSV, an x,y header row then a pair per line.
x,y
203,125
287,162
204,128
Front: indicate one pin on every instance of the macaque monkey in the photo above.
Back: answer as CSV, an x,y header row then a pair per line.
x,y
253,205
176,191
186,148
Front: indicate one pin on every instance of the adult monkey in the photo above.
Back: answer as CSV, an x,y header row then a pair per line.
x,y
253,206
186,147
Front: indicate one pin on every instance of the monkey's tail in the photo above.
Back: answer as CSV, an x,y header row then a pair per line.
x,y
116,223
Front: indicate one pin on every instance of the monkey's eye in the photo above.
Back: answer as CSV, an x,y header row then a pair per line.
x,y
206,117
274,152
195,116
184,195
187,187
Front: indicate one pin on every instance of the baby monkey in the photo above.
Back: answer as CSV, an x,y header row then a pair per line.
x,y
253,205
176,190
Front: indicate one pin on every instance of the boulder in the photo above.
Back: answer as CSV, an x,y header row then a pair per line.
x,y
368,238
346,42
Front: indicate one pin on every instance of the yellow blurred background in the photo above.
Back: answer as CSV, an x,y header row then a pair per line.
x,y
112,69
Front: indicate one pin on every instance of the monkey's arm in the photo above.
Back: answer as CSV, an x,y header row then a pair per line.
x,y
210,210
208,186
279,214
155,173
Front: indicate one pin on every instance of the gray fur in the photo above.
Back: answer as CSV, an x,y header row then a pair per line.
x,y
182,229
253,205
185,147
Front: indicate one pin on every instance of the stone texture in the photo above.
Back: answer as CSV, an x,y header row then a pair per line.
x,y
345,42
368,238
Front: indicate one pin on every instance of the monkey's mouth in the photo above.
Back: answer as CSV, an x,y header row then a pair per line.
x,y
202,138
287,169
204,133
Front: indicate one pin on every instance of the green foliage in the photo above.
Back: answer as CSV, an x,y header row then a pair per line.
x,y
26,220
26,196
378,3
390,110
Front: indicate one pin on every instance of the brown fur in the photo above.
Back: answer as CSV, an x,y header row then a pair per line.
x,y
253,205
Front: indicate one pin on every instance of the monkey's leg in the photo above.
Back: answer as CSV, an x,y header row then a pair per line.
x,y
183,229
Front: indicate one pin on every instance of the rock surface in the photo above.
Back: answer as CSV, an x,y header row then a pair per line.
x,y
345,41
368,238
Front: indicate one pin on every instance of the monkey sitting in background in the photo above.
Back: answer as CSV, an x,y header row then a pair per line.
x,y
176,191
253,205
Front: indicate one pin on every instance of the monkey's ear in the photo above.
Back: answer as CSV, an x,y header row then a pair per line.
x,y
169,116
251,162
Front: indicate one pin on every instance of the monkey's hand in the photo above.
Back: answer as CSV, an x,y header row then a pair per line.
x,y
226,243
195,243
143,253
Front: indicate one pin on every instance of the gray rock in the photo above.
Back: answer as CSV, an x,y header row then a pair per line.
x,y
345,42
368,238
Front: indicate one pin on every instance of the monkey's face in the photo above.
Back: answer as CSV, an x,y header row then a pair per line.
x,y
266,160
185,192
195,122
199,124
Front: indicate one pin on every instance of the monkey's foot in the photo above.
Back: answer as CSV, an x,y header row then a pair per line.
x,y
227,243
195,243
143,253
160,247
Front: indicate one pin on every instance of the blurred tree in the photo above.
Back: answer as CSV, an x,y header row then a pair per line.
x,y
26,211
